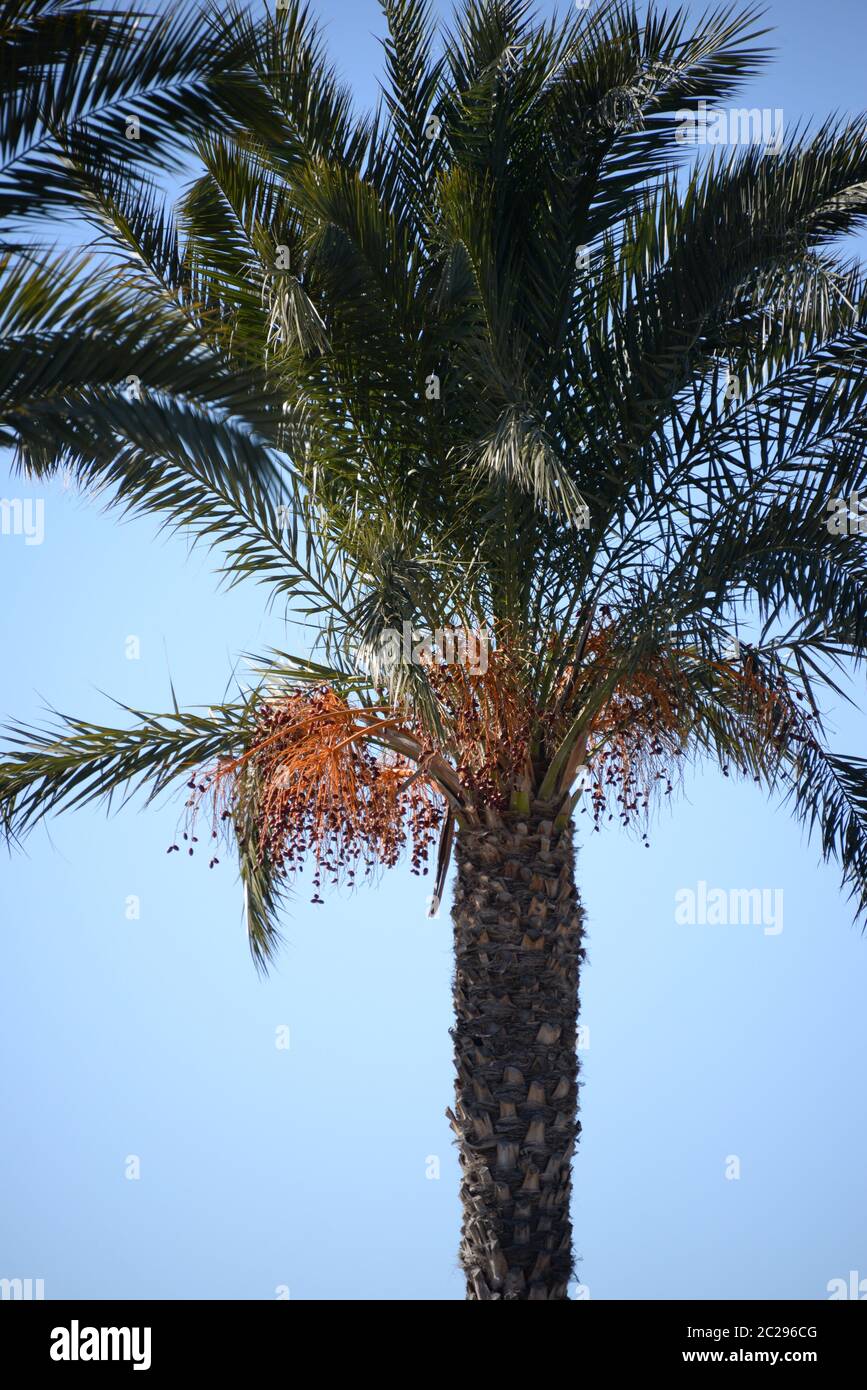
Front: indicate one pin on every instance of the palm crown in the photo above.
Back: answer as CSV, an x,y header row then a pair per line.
x,y
484,358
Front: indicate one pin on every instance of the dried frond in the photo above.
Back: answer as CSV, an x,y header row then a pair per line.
x,y
319,791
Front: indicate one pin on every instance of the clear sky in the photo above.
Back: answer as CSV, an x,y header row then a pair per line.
x,y
264,1168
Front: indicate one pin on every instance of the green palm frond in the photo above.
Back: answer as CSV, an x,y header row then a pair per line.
x,y
265,887
73,762
128,87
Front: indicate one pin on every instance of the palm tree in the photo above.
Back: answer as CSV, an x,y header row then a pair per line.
x,y
489,370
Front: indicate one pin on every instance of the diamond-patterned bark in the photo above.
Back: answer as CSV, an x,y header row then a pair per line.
x,y
518,930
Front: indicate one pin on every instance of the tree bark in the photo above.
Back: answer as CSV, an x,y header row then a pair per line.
x,y
518,929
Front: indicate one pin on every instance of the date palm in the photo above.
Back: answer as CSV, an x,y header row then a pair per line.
x,y
489,361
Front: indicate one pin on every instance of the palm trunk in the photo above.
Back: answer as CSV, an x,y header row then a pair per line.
x,y
518,929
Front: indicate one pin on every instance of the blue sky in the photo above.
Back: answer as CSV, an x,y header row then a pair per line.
x,y
306,1168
